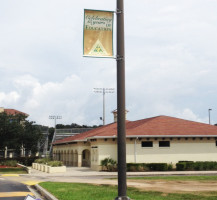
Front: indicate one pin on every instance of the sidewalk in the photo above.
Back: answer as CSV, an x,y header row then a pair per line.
x,y
87,172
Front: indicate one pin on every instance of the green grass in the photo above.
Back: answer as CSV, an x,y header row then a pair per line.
x,y
177,178
12,171
75,191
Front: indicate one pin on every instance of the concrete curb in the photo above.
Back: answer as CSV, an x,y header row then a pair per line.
x,y
28,169
44,193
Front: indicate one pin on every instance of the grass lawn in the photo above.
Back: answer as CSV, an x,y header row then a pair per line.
x,y
75,191
176,178
12,171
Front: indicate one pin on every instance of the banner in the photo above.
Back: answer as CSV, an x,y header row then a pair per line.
x,y
98,33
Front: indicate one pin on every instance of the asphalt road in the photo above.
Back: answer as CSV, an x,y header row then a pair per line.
x,y
11,190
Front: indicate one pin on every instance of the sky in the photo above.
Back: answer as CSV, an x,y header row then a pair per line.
x,y
170,60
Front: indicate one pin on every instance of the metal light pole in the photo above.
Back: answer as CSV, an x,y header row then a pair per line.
x,y
54,135
103,91
121,129
209,115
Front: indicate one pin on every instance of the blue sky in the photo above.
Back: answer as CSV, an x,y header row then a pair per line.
x,y
171,61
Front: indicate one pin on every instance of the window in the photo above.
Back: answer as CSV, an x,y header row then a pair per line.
x,y
164,143
147,144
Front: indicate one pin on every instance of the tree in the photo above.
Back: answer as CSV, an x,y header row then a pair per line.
x,y
31,136
10,130
74,125
17,132
50,136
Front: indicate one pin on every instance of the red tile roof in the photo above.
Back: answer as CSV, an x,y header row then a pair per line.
x,y
160,126
14,112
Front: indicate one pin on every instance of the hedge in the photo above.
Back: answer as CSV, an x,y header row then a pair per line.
x,y
148,167
158,166
42,160
133,167
197,166
55,163
180,166
9,163
27,161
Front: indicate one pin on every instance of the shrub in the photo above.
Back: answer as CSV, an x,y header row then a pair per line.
x,y
132,168
109,164
55,163
185,165
27,161
199,166
170,167
42,160
140,168
212,165
147,167
158,166
181,166
190,165
205,166
137,166
10,163
112,168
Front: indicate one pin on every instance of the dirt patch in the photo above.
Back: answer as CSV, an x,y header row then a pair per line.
x,y
164,186
174,186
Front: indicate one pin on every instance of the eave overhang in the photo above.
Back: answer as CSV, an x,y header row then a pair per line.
x,y
138,136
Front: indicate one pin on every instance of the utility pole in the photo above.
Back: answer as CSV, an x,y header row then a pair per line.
x,y
121,128
103,91
209,115
54,135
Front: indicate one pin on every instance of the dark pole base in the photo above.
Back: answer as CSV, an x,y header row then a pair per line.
x,y
122,198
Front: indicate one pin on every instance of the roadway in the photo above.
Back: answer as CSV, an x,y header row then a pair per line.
x,y
13,190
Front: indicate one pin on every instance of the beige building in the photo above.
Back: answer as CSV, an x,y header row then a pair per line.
x,y
152,140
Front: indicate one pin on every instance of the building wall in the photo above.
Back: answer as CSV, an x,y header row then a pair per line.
x,y
180,149
105,149
71,154
189,150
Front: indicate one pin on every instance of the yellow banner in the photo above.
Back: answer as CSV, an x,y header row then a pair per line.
x,y
98,33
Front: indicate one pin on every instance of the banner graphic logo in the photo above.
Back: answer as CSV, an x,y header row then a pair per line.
x,y
98,33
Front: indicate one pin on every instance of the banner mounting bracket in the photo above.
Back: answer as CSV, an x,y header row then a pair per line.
x,y
119,58
118,11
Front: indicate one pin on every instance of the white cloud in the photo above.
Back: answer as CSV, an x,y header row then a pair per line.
x,y
71,98
189,115
170,60
9,98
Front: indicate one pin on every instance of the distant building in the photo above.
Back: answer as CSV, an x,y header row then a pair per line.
x,y
64,133
152,140
12,111
10,152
